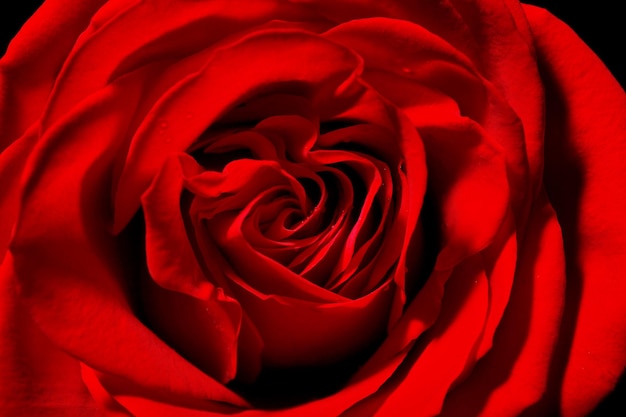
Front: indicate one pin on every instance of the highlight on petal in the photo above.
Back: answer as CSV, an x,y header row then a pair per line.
x,y
584,177
513,375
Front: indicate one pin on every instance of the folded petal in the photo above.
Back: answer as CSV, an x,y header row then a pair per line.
x,y
33,60
36,377
585,178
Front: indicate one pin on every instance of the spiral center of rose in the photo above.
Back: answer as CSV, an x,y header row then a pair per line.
x,y
281,191
293,214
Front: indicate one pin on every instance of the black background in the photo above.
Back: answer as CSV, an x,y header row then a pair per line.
x,y
600,23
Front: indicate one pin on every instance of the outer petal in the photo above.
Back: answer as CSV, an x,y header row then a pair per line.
x,y
29,68
586,181
12,162
506,58
36,378
513,375
76,289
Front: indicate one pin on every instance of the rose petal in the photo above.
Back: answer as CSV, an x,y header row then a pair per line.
x,y
301,59
170,258
29,68
36,378
196,25
206,331
514,374
334,330
468,178
12,162
75,290
446,352
417,54
440,17
213,342
506,57
586,182
432,82
120,400
500,260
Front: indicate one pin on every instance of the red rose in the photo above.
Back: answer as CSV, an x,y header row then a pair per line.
x,y
309,208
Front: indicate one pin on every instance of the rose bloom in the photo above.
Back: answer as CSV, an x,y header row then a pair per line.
x,y
309,208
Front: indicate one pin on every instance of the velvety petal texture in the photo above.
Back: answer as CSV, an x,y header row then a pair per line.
x,y
588,141
309,208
